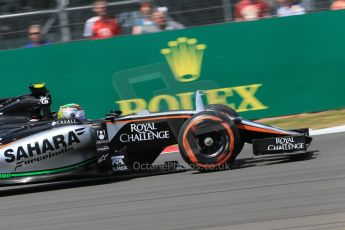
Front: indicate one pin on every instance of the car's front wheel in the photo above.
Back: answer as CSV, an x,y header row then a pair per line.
x,y
208,140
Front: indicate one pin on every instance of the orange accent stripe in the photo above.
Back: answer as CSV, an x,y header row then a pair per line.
x,y
150,119
256,129
3,146
171,149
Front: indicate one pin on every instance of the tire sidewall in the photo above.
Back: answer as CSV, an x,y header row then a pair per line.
x,y
223,109
232,113
197,159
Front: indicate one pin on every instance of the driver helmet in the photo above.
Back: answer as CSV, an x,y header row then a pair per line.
x,y
71,111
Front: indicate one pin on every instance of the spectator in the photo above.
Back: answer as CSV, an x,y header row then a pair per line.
x,y
338,5
162,23
144,23
289,8
246,10
101,26
34,33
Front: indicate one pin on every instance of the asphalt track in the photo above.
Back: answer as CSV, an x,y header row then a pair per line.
x,y
302,193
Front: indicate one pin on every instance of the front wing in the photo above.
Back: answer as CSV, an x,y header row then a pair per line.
x,y
278,145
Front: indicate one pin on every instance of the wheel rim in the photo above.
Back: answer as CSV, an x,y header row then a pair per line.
x,y
209,139
195,135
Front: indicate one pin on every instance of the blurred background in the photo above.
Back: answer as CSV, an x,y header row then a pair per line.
x,y
63,20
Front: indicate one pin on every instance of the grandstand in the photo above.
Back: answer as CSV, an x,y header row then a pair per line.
x,y
63,20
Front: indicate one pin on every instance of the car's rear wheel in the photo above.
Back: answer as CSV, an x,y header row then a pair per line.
x,y
207,141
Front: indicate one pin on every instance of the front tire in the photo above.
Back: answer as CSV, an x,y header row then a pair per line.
x,y
223,109
232,113
207,141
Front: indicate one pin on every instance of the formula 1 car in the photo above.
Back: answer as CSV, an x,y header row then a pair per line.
x,y
37,146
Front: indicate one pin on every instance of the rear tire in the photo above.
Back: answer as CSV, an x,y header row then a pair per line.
x,y
208,140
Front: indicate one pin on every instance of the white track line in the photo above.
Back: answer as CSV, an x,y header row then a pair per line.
x,y
338,129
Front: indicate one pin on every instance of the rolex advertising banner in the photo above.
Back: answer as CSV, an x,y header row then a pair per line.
x,y
263,68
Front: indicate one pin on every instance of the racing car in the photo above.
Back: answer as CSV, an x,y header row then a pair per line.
x,y
39,145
